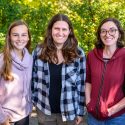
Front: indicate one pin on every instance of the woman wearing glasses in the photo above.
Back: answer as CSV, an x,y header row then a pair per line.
x,y
105,99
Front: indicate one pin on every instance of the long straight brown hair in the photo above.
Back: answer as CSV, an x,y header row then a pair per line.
x,y
49,50
7,60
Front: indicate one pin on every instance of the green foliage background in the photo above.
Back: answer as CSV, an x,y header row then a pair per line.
x,y
84,14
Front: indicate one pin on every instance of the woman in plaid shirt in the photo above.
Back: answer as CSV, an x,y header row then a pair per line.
x,y
59,75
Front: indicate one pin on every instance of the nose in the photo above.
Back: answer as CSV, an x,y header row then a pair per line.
x,y
19,37
107,33
60,32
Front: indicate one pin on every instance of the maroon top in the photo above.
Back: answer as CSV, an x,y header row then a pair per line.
x,y
107,79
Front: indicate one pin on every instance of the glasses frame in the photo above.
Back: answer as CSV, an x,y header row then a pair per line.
x,y
108,31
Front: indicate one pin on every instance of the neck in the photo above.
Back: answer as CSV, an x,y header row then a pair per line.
x,y
59,50
19,54
60,56
108,52
58,46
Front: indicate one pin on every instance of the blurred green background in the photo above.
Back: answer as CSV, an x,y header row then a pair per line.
x,y
84,14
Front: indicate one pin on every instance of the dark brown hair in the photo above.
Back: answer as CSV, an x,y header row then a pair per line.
x,y
49,49
120,41
7,65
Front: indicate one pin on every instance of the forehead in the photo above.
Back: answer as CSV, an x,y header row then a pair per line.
x,y
108,25
19,28
61,24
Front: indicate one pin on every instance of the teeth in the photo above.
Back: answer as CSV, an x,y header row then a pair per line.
x,y
20,44
108,39
59,37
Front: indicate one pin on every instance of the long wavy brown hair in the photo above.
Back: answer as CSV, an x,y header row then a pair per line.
x,y
49,50
7,65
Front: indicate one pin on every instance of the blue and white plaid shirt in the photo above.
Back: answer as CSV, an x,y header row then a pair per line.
x,y
72,92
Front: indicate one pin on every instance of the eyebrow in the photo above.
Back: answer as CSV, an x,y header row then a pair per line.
x,y
109,28
18,33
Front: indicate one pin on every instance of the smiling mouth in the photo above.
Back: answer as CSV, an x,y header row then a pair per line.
x,y
59,37
20,44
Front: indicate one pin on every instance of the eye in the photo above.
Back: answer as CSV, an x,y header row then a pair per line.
x,y
56,28
24,34
103,31
112,30
14,34
64,29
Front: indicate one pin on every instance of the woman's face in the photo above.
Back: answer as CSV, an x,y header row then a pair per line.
x,y
109,34
60,33
19,37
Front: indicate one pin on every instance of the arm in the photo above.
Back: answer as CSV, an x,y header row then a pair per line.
x,y
3,117
80,88
35,78
88,85
87,93
121,104
3,114
117,107
34,72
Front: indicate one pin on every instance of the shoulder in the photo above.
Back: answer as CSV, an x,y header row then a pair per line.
x,y
90,53
120,52
94,54
1,60
123,49
37,50
1,57
80,51
27,54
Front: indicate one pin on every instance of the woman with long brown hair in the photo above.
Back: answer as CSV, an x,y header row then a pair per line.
x,y
59,75
15,76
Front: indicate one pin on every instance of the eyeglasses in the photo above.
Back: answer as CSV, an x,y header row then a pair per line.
x,y
111,32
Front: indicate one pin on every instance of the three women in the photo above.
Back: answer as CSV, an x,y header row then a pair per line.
x,y
59,75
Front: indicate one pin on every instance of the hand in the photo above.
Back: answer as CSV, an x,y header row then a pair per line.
x,y
87,101
6,122
78,120
111,111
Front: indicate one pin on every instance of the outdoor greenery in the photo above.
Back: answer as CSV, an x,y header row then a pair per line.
x,y
84,14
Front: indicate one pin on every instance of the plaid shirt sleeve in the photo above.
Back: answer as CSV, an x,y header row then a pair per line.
x,y
80,83
34,76
39,84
